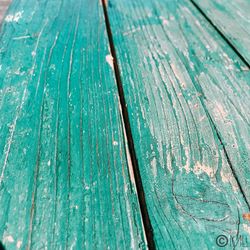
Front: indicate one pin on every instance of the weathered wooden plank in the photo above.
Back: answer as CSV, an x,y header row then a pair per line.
x,y
187,96
4,4
232,19
65,178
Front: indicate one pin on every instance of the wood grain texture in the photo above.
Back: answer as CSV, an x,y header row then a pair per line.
x,y
232,19
65,175
4,4
187,95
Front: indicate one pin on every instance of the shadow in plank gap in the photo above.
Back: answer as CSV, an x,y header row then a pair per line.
x,y
65,179
187,95
2,246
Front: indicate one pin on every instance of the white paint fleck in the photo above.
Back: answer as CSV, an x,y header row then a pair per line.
x,y
178,75
208,47
169,165
52,67
19,244
8,238
202,118
18,72
246,228
49,163
187,165
14,18
154,167
110,61
244,68
33,53
115,143
220,109
164,21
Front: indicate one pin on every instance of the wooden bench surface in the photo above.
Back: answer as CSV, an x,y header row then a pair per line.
x,y
124,124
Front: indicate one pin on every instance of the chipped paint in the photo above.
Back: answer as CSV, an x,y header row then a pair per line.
x,y
221,110
8,238
110,61
201,169
154,166
15,17
164,20
187,165
246,228
133,30
56,168
115,143
228,178
19,244
169,165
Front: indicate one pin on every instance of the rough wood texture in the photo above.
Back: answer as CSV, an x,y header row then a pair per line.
x,y
65,174
187,95
4,4
232,19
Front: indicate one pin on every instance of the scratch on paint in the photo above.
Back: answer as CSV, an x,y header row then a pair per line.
x,y
13,126
20,37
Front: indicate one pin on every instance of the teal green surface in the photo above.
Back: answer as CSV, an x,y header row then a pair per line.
x,y
64,165
66,179
232,19
187,95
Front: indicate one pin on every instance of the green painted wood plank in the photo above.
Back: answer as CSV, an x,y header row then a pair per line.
x,y
187,96
65,175
232,19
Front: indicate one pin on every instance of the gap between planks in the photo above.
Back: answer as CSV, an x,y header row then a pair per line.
x,y
217,132
133,164
221,34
